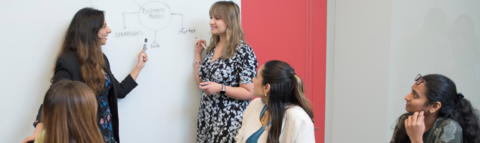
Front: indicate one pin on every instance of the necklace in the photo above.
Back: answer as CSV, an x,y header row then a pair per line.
x,y
264,117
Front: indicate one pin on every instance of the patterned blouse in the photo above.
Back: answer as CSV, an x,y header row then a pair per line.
x,y
104,115
219,116
444,130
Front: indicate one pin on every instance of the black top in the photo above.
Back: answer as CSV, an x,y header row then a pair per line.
x,y
67,67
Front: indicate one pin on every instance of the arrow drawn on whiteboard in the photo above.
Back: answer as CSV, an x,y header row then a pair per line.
x,y
154,43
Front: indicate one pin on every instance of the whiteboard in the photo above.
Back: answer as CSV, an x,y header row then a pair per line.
x,y
162,108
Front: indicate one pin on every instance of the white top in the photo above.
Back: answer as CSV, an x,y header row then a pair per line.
x,y
297,127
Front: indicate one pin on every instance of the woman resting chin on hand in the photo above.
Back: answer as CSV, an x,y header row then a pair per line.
x,y
436,113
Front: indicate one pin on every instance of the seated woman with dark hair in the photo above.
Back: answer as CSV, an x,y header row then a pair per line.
x,y
281,113
436,114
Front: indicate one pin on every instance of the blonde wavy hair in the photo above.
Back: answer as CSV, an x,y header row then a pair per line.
x,y
230,13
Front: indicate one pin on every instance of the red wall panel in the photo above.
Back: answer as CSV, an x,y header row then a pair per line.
x,y
293,31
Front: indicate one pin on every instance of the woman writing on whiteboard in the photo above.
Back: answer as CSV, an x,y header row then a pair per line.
x,y
225,75
81,59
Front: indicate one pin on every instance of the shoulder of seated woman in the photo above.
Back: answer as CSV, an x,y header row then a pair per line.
x,y
297,112
257,102
444,122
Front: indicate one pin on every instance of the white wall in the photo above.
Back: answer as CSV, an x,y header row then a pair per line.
x,y
439,36
329,68
31,33
362,38
376,49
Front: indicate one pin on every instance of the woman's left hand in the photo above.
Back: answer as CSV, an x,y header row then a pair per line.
x,y
415,126
142,59
210,88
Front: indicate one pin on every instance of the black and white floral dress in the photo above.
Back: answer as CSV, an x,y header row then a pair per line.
x,y
219,116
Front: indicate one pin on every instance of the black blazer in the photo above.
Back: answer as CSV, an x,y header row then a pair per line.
x,y
67,67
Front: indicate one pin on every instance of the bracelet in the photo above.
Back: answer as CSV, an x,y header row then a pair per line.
x,y
224,87
197,62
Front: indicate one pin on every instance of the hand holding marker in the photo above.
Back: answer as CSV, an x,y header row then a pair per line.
x,y
204,47
145,46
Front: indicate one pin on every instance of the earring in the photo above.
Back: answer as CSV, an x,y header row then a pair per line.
x,y
265,94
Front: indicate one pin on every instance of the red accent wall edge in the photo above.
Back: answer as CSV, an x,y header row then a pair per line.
x,y
294,32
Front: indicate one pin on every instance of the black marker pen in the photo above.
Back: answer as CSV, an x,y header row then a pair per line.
x,y
145,46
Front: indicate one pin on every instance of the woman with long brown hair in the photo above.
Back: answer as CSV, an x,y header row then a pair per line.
x,y
69,114
224,74
81,59
282,113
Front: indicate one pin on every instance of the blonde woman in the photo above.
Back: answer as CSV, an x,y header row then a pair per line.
x,y
225,75
69,114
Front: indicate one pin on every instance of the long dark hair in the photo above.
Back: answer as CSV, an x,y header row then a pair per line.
x,y
286,88
454,107
70,113
82,39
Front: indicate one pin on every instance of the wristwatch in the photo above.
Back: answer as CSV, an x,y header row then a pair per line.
x,y
223,89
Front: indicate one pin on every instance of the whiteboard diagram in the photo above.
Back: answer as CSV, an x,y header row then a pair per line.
x,y
156,16
162,108
166,101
